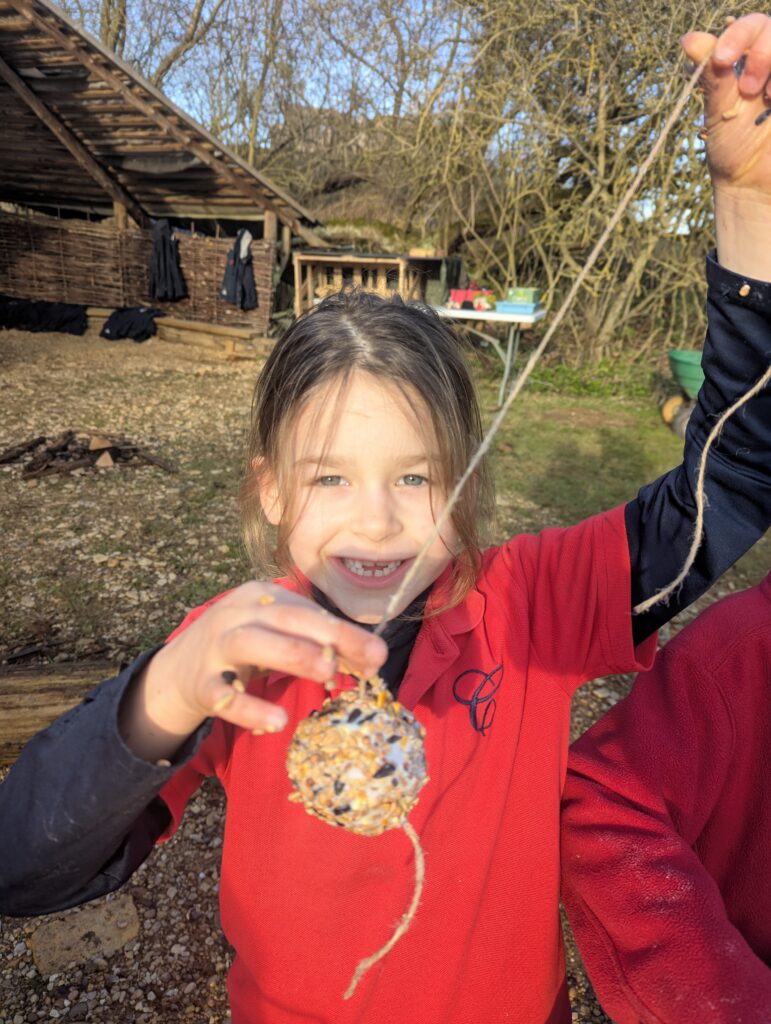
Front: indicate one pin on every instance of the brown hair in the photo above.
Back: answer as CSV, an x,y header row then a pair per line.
x,y
406,345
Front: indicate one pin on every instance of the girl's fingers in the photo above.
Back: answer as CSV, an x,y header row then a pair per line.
x,y
359,649
236,706
252,644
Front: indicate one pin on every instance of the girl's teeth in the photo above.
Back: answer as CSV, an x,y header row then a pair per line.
x,y
370,568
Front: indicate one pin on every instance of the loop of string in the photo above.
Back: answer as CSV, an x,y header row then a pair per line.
x,y
486,441
714,434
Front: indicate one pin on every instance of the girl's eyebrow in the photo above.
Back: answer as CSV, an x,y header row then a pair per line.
x,y
338,461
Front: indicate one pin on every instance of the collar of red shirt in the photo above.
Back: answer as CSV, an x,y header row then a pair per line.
x,y
438,630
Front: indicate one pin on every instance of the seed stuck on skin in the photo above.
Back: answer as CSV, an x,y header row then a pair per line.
x,y
359,761
222,703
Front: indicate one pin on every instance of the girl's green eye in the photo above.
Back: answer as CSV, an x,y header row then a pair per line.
x,y
329,481
414,480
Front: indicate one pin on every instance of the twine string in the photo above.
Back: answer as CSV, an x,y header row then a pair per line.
x,y
698,530
420,871
535,356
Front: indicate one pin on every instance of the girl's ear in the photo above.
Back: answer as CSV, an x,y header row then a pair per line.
x,y
267,485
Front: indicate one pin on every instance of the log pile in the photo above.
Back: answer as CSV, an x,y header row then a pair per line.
x,y
76,450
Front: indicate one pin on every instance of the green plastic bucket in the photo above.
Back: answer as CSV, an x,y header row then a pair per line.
x,y
685,365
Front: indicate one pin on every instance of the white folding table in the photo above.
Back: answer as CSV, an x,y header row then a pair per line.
x,y
516,322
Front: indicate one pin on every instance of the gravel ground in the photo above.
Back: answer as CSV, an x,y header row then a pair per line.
x,y
103,563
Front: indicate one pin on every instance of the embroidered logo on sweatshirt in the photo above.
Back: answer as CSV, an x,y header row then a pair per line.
x,y
476,689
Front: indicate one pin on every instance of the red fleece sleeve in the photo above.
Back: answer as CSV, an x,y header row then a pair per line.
x,y
648,918
579,594
211,759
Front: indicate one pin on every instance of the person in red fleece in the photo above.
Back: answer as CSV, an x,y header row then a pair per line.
x,y
666,829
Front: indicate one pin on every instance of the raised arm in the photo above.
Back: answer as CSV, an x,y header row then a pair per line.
x,y
737,352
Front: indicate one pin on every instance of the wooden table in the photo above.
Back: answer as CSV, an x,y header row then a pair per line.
x,y
516,323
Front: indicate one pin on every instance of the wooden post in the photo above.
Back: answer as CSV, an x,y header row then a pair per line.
x,y
401,286
286,242
298,285
121,216
270,227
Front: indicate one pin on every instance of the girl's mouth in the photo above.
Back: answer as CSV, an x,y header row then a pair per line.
x,y
371,573
370,568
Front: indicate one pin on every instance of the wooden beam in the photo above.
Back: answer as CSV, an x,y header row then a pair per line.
x,y
352,257
162,120
82,156
31,698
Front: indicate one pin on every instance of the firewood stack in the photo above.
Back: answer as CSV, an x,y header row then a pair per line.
x,y
78,450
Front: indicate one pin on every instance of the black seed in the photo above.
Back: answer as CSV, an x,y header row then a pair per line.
x,y
368,718
339,787
762,117
356,713
341,810
393,739
384,771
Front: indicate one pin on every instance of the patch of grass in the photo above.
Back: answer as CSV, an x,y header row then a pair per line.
x,y
566,459
628,380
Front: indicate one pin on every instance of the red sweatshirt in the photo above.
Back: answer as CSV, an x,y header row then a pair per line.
x,y
667,829
491,680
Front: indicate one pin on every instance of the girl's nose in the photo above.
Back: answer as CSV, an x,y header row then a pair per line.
x,y
375,516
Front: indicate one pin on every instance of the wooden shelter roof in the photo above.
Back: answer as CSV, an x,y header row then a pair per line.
x,y
82,131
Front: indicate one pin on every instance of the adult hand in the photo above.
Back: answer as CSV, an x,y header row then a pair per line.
x,y
737,94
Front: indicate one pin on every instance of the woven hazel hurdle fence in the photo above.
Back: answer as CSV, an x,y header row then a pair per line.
x,y
93,264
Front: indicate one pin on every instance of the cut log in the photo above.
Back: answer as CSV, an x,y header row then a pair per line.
x,y
32,697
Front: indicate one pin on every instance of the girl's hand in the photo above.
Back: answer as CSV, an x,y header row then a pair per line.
x,y
258,626
738,149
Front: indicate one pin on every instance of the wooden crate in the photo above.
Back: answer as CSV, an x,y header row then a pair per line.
x,y
317,275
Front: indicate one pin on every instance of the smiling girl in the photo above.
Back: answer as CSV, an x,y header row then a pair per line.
x,y
364,417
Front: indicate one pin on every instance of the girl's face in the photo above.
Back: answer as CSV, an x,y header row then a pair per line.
x,y
363,465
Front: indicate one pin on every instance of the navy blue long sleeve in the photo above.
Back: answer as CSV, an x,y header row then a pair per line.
x,y
660,522
80,812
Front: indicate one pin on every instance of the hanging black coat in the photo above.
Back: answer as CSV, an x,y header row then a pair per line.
x,y
238,287
166,280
